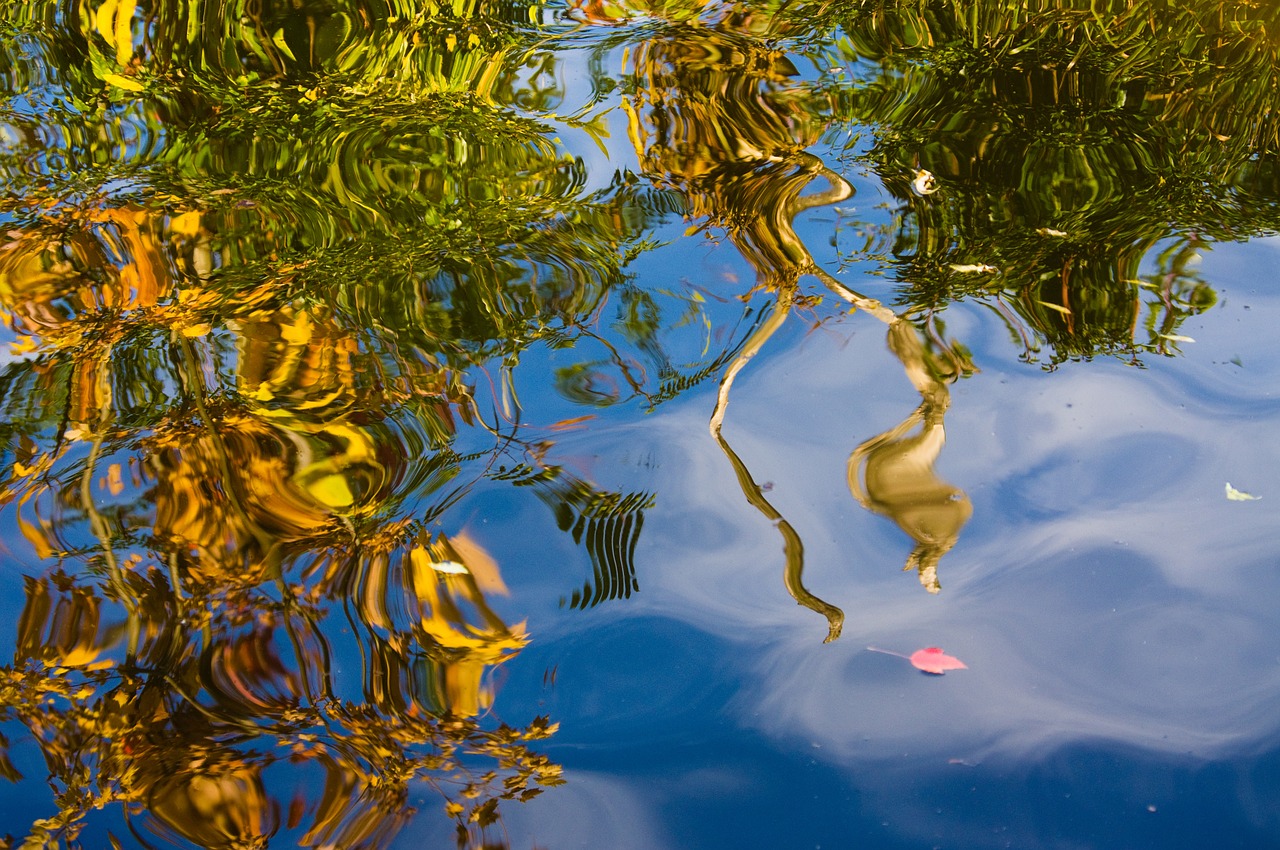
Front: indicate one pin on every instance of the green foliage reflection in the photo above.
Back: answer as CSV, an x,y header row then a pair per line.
x,y
1063,143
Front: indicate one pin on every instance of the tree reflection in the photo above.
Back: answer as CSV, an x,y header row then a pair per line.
x,y
1065,143
720,121
1038,158
713,122
248,321
269,271
185,702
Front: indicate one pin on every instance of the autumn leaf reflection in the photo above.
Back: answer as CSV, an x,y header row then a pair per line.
x,y
222,515
252,277
184,701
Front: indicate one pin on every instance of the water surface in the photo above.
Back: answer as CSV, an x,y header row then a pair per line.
x,y
510,426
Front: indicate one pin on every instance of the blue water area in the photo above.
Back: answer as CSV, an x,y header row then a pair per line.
x,y
1112,603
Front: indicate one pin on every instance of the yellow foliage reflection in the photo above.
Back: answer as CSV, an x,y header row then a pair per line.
x,y
229,496
892,474
221,807
185,682
47,282
717,122
184,702
429,594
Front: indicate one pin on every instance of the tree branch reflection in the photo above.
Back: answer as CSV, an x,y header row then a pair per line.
x,y
720,123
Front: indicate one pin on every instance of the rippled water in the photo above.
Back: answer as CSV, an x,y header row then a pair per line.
x,y
505,425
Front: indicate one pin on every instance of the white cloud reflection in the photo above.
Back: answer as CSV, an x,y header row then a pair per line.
x,y
1104,589
1105,593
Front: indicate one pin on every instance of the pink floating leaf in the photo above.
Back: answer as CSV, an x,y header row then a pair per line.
x,y
934,660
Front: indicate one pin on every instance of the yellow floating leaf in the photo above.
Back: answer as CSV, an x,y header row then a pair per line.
x,y
1066,311
1239,495
126,83
972,268
1175,337
193,331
